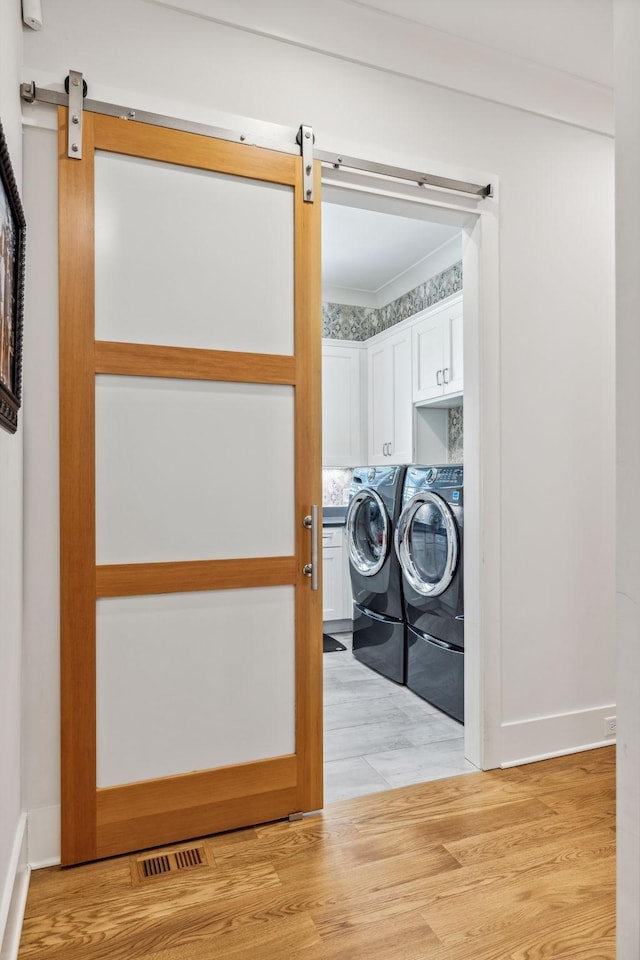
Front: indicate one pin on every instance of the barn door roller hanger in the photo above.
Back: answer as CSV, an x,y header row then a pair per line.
x,y
74,98
77,90
283,139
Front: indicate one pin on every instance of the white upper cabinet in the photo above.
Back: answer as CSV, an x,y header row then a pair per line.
x,y
437,354
341,404
371,389
390,411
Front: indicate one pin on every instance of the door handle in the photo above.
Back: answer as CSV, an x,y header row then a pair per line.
x,y
311,569
444,374
390,445
438,380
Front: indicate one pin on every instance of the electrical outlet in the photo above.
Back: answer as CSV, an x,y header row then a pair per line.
x,y
609,726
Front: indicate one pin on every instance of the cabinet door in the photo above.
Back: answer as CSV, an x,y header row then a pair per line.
x,y
332,584
400,405
341,420
347,594
428,351
333,574
379,397
453,374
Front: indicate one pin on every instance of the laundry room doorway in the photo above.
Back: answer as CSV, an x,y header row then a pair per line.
x,y
401,308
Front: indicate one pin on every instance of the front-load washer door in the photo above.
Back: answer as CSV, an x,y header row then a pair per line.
x,y
426,541
368,532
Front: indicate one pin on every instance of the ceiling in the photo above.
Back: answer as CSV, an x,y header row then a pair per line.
x,y
573,36
365,250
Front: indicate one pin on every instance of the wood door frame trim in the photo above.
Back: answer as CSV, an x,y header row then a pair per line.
x,y
77,504
308,346
135,139
144,814
140,579
192,363
181,791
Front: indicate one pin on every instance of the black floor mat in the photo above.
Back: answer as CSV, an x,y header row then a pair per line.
x,y
329,644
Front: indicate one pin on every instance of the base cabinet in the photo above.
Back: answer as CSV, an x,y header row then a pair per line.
x,y
337,602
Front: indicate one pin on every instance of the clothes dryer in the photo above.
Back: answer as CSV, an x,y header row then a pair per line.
x,y
429,546
378,618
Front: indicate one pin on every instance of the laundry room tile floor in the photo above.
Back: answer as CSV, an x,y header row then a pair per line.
x,y
379,735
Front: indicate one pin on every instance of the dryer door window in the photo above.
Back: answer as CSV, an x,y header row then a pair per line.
x,y
426,542
368,532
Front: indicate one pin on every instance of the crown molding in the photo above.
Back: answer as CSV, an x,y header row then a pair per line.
x,y
374,38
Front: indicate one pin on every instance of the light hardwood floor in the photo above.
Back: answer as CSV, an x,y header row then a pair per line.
x,y
504,865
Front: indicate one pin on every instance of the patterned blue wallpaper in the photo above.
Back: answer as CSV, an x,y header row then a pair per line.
x,y
343,322
455,449
335,486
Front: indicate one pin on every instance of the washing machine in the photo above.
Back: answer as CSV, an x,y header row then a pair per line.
x,y
429,546
378,618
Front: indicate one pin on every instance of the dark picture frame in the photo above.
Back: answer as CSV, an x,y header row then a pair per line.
x,y
12,263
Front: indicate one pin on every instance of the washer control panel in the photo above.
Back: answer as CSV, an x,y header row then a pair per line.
x,y
452,476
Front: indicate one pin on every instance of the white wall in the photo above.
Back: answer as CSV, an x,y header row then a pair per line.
x,y
554,368
627,38
10,520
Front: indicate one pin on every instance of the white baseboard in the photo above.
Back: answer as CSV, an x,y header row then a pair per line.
x,y
541,738
337,626
14,894
43,847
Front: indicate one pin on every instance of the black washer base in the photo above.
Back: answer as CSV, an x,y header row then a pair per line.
x,y
379,643
436,673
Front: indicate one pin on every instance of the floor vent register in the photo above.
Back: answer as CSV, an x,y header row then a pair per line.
x,y
150,866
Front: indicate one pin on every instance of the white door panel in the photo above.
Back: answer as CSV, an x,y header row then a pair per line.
x,y
184,470
192,258
193,681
